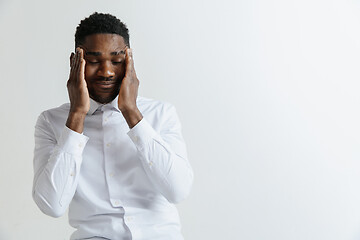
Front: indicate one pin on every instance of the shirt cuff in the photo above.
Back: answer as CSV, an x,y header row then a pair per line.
x,y
142,133
72,142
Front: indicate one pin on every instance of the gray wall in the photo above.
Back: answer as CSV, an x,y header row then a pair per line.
x,y
267,91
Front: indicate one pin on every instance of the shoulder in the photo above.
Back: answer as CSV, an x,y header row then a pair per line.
x,y
152,105
55,113
160,114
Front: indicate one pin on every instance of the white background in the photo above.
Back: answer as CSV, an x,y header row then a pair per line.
x,y
267,92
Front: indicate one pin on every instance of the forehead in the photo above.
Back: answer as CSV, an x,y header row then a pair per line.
x,y
103,42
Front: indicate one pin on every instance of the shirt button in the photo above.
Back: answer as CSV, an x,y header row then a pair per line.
x,y
136,139
151,163
108,144
129,218
111,174
117,203
105,120
80,145
72,174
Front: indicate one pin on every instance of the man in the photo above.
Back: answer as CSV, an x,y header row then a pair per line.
x,y
118,161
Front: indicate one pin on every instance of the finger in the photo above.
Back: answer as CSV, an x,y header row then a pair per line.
x,y
81,54
131,57
123,51
132,60
129,61
82,66
132,64
76,64
74,61
73,68
72,58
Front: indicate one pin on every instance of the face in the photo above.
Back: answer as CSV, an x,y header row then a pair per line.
x,y
105,65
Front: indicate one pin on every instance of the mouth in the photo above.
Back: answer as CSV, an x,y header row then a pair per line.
x,y
105,87
105,84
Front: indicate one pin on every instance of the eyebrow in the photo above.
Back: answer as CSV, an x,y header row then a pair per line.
x,y
99,53
118,53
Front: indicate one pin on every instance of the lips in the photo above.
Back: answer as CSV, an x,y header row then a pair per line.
x,y
105,83
105,86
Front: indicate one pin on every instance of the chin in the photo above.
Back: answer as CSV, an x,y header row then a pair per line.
x,y
103,99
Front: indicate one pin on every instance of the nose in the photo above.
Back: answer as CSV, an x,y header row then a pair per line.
x,y
106,70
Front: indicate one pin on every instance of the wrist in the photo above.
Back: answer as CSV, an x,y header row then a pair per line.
x,y
132,116
79,112
75,121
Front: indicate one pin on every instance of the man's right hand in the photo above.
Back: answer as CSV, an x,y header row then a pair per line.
x,y
78,92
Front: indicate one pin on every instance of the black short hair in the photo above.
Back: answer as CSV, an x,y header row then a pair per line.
x,y
100,23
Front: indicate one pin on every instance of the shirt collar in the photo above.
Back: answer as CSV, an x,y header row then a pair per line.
x,y
96,105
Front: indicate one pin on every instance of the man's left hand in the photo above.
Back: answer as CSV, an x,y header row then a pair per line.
x,y
129,91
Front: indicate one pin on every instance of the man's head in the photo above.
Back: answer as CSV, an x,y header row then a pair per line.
x,y
100,23
103,39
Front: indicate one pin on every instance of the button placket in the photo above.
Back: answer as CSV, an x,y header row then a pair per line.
x,y
109,142
105,118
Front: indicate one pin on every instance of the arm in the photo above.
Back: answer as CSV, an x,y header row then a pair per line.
x,y
162,154
56,167
57,161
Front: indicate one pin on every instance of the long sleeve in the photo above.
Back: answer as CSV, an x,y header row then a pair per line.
x,y
57,161
163,155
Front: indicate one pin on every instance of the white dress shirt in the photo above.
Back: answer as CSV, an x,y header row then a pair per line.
x,y
118,183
